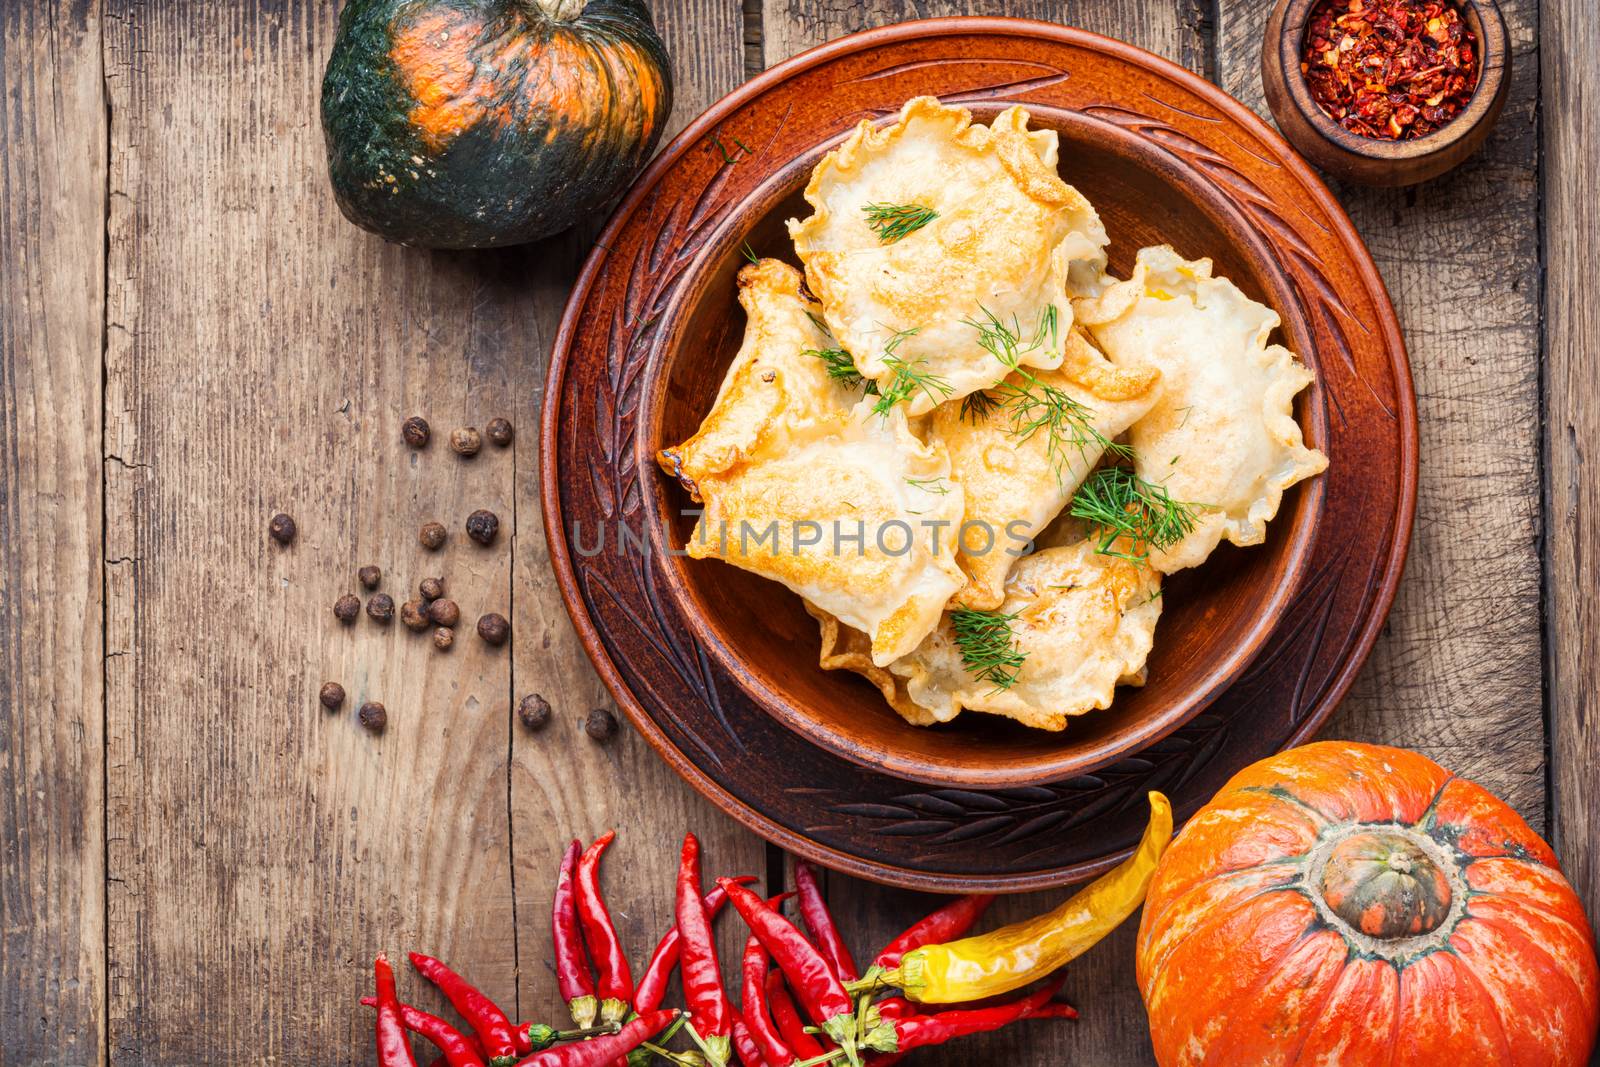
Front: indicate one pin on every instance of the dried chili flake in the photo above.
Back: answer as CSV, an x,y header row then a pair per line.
x,y
1390,69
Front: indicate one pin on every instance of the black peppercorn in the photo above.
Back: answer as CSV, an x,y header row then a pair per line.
x,y
431,588
431,535
494,628
465,441
498,432
534,711
414,615
381,608
600,724
444,612
346,608
370,576
281,528
482,526
443,638
415,431
332,695
374,717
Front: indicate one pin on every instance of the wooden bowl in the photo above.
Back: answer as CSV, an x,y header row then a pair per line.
x,y
1214,618
1368,160
629,307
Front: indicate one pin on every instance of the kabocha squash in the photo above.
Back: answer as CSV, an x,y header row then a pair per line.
x,y
478,123
1349,904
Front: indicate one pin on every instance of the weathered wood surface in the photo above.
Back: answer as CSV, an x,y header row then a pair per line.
x,y
52,737
198,862
1570,39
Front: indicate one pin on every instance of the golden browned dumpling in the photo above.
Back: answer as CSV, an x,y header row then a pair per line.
x,y
931,227
1020,455
1077,623
1222,435
778,380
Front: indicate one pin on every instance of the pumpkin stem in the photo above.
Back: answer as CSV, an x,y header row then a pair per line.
x,y
1386,885
561,10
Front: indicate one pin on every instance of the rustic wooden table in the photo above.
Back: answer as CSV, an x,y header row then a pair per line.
x,y
198,863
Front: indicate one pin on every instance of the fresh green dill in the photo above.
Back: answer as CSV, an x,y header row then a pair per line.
x,y
979,406
988,646
1005,342
748,253
899,338
893,221
1049,328
743,147
1032,406
841,368
730,157
816,320
1118,504
936,486
907,380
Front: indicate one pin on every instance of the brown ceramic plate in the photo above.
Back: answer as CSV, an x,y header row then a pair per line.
x,y
693,653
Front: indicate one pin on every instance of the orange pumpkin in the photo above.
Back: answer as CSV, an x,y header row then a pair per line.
x,y
1347,904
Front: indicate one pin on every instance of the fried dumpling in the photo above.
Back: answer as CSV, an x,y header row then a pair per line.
x,y
1222,436
1083,622
926,228
846,512
778,379
1020,454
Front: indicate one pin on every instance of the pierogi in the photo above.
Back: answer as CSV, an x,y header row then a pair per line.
x,y
1222,436
999,233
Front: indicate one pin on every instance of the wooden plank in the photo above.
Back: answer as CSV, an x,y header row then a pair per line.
x,y
1112,1030
1570,35
52,777
1456,673
563,784
263,356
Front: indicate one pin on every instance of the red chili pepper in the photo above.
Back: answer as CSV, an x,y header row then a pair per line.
x,y
819,990
709,1012
460,1050
615,985
949,923
600,1051
819,921
787,1016
749,1055
573,976
652,987
393,1048
502,1042
754,1012
895,1034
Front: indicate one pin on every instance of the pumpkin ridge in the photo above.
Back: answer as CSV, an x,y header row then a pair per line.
x,y
1488,994
1278,792
1295,862
1425,820
1228,913
1307,1030
1509,931
1312,929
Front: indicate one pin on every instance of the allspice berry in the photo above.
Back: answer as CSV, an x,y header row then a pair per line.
x,y
465,441
414,615
483,526
499,432
431,535
600,724
374,716
534,711
415,431
370,576
346,608
443,638
431,588
381,608
331,695
494,628
282,528
444,612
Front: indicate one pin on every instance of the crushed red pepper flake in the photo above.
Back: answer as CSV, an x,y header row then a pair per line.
x,y
1390,69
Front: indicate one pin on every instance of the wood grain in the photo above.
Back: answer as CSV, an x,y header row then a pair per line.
x,y
1112,1030
1570,36
1457,673
52,288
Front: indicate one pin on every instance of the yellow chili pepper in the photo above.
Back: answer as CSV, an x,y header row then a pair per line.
x,y
1013,956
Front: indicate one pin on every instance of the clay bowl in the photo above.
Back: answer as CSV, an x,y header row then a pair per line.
x,y
1367,160
1215,618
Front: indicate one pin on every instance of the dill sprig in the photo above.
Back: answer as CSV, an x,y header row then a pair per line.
x,y
979,406
1005,342
748,253
842,368
893,221
1117,504
988,646
816,320
1032,406
907,378
936,486
741,150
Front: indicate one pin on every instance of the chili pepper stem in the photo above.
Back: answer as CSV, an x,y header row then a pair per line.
x,y
585,1010
668,1055
717,1049
612,1012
